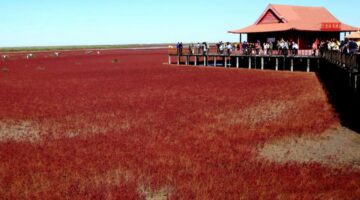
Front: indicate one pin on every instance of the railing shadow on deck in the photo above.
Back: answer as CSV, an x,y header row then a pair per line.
x,y
345,100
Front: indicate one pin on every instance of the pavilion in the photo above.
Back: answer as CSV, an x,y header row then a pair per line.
x,y
301,24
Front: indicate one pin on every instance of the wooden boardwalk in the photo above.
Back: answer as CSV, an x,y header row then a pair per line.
x,y
303,61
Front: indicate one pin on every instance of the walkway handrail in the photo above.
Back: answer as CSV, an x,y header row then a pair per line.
x,y
213,50
349,62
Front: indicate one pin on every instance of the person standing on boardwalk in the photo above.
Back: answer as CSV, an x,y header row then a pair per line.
x,y
191,48
294,48
218,47
228,48
281,47
266,48
322,47
271,46
198,46
257,47
221,48
286,49
352,47
315,47
245,48
180,48
205,48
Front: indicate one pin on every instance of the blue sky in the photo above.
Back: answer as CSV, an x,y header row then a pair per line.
x,y
80,22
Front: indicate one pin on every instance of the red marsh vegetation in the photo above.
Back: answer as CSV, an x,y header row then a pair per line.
x,y
121,125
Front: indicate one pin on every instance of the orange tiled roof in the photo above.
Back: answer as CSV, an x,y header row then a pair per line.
x,y
294,18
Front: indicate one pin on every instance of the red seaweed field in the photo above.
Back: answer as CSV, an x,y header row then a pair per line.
x,y
123,125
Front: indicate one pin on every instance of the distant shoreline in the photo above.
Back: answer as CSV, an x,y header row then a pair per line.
x,y
83,47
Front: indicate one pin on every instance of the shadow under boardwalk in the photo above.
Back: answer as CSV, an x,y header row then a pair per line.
x,y
345,102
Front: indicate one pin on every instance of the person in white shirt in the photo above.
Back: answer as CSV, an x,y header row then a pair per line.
x,y
221,48
295,48
229,48
266,47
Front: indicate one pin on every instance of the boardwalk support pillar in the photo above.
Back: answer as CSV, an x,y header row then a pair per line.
x,y
215,61
355,83
225,62
187,60
292,65
237,62
350,79
277,64
249,62
204,60
284,63
318,65
262,63
178,60
196,59
308,65
169,60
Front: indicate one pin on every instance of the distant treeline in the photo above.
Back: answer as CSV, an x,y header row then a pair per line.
x,y
76,47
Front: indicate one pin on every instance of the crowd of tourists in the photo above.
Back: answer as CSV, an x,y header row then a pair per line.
x,y
267,48
282,47
347,47
226,48
199,48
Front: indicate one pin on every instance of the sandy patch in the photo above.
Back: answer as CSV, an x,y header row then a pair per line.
x,y
336,147
256,114
19,131
117,176
161,194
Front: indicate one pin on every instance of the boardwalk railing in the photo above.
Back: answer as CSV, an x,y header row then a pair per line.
x,y
348,62
213,50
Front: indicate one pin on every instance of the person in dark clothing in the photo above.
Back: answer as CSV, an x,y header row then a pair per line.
x,y
352,47
180,48
322,48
